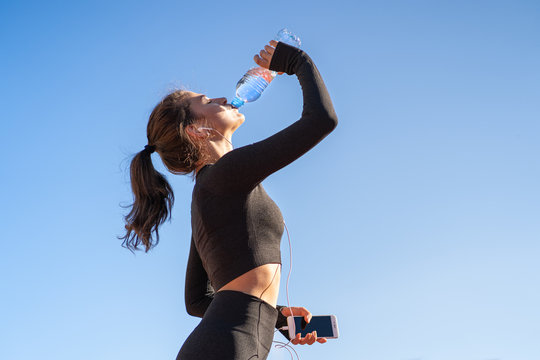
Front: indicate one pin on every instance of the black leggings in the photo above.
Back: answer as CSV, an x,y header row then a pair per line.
x,y
236,326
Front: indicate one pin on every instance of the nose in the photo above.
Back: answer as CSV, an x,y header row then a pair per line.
x,y
221,100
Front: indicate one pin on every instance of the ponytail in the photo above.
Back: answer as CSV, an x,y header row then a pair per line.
x,y
154,199
166,134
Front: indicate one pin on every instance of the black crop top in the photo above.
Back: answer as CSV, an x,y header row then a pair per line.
x,y
236,226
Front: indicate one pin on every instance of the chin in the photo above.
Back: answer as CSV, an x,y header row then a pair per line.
x,y
241,118
239,122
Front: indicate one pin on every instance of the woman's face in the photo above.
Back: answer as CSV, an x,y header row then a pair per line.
x,y
216,112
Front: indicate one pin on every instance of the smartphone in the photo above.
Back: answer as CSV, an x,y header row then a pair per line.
x,y
325,325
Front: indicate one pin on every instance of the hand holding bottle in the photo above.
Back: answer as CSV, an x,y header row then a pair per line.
x,y
250,87
265,55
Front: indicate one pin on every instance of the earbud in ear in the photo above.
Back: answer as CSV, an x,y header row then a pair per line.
x,y
208,133
205,128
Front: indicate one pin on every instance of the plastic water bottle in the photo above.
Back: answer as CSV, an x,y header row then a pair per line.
x,y
256,79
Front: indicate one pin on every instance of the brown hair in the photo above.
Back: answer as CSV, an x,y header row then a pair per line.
x,y
153,196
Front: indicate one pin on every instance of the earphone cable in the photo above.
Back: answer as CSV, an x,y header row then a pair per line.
x,y
207,128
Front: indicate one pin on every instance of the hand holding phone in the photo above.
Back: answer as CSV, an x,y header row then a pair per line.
x,y
324,326
303,317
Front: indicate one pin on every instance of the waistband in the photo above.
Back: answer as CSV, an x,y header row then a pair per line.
x,y
236,308
243,297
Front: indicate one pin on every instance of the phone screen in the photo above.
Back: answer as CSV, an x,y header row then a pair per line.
x,y
321,324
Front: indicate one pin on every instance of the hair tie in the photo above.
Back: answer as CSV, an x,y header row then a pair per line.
x,y
150,148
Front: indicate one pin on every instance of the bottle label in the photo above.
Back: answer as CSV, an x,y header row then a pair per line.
x,y
261,72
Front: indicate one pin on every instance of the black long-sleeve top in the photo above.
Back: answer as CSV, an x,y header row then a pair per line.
x,y
236,226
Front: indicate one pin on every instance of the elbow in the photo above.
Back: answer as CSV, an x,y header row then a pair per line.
x,y
326,119
331,120
329,115
194,310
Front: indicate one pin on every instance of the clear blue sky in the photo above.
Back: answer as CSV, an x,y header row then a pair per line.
x,y
416,221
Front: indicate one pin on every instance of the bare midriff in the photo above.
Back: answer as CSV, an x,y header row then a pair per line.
x,y
262,282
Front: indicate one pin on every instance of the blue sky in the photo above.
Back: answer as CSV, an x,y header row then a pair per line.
x,y
416,222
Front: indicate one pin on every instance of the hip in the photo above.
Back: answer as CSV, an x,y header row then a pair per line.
x,y
236,326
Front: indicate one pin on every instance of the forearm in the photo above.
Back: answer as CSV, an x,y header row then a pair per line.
x,y
317,102
243,168
198,293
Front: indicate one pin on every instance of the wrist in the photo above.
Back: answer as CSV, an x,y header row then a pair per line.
x,y
287,58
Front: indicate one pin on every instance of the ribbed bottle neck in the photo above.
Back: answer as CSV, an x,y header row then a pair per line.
x,y
237,102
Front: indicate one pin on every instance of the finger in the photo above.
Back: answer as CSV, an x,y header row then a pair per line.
x,y
306,339
321,340
257,59
269,49
288,310
297,311
313,338
307,315
300,311
273,43
296,340
265,55
260,62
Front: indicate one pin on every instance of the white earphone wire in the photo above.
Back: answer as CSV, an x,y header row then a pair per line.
x,y
207,128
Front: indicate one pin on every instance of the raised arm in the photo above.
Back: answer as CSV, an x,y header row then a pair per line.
x,y
198,291
245,167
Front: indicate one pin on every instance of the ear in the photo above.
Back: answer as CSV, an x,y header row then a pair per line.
x,y
193,132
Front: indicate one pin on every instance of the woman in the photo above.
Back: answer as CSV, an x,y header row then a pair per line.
x,y
234,265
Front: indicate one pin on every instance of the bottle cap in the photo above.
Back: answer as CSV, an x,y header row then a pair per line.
x,y
237,102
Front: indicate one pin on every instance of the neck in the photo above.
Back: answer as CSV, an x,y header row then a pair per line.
x,y
216,147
